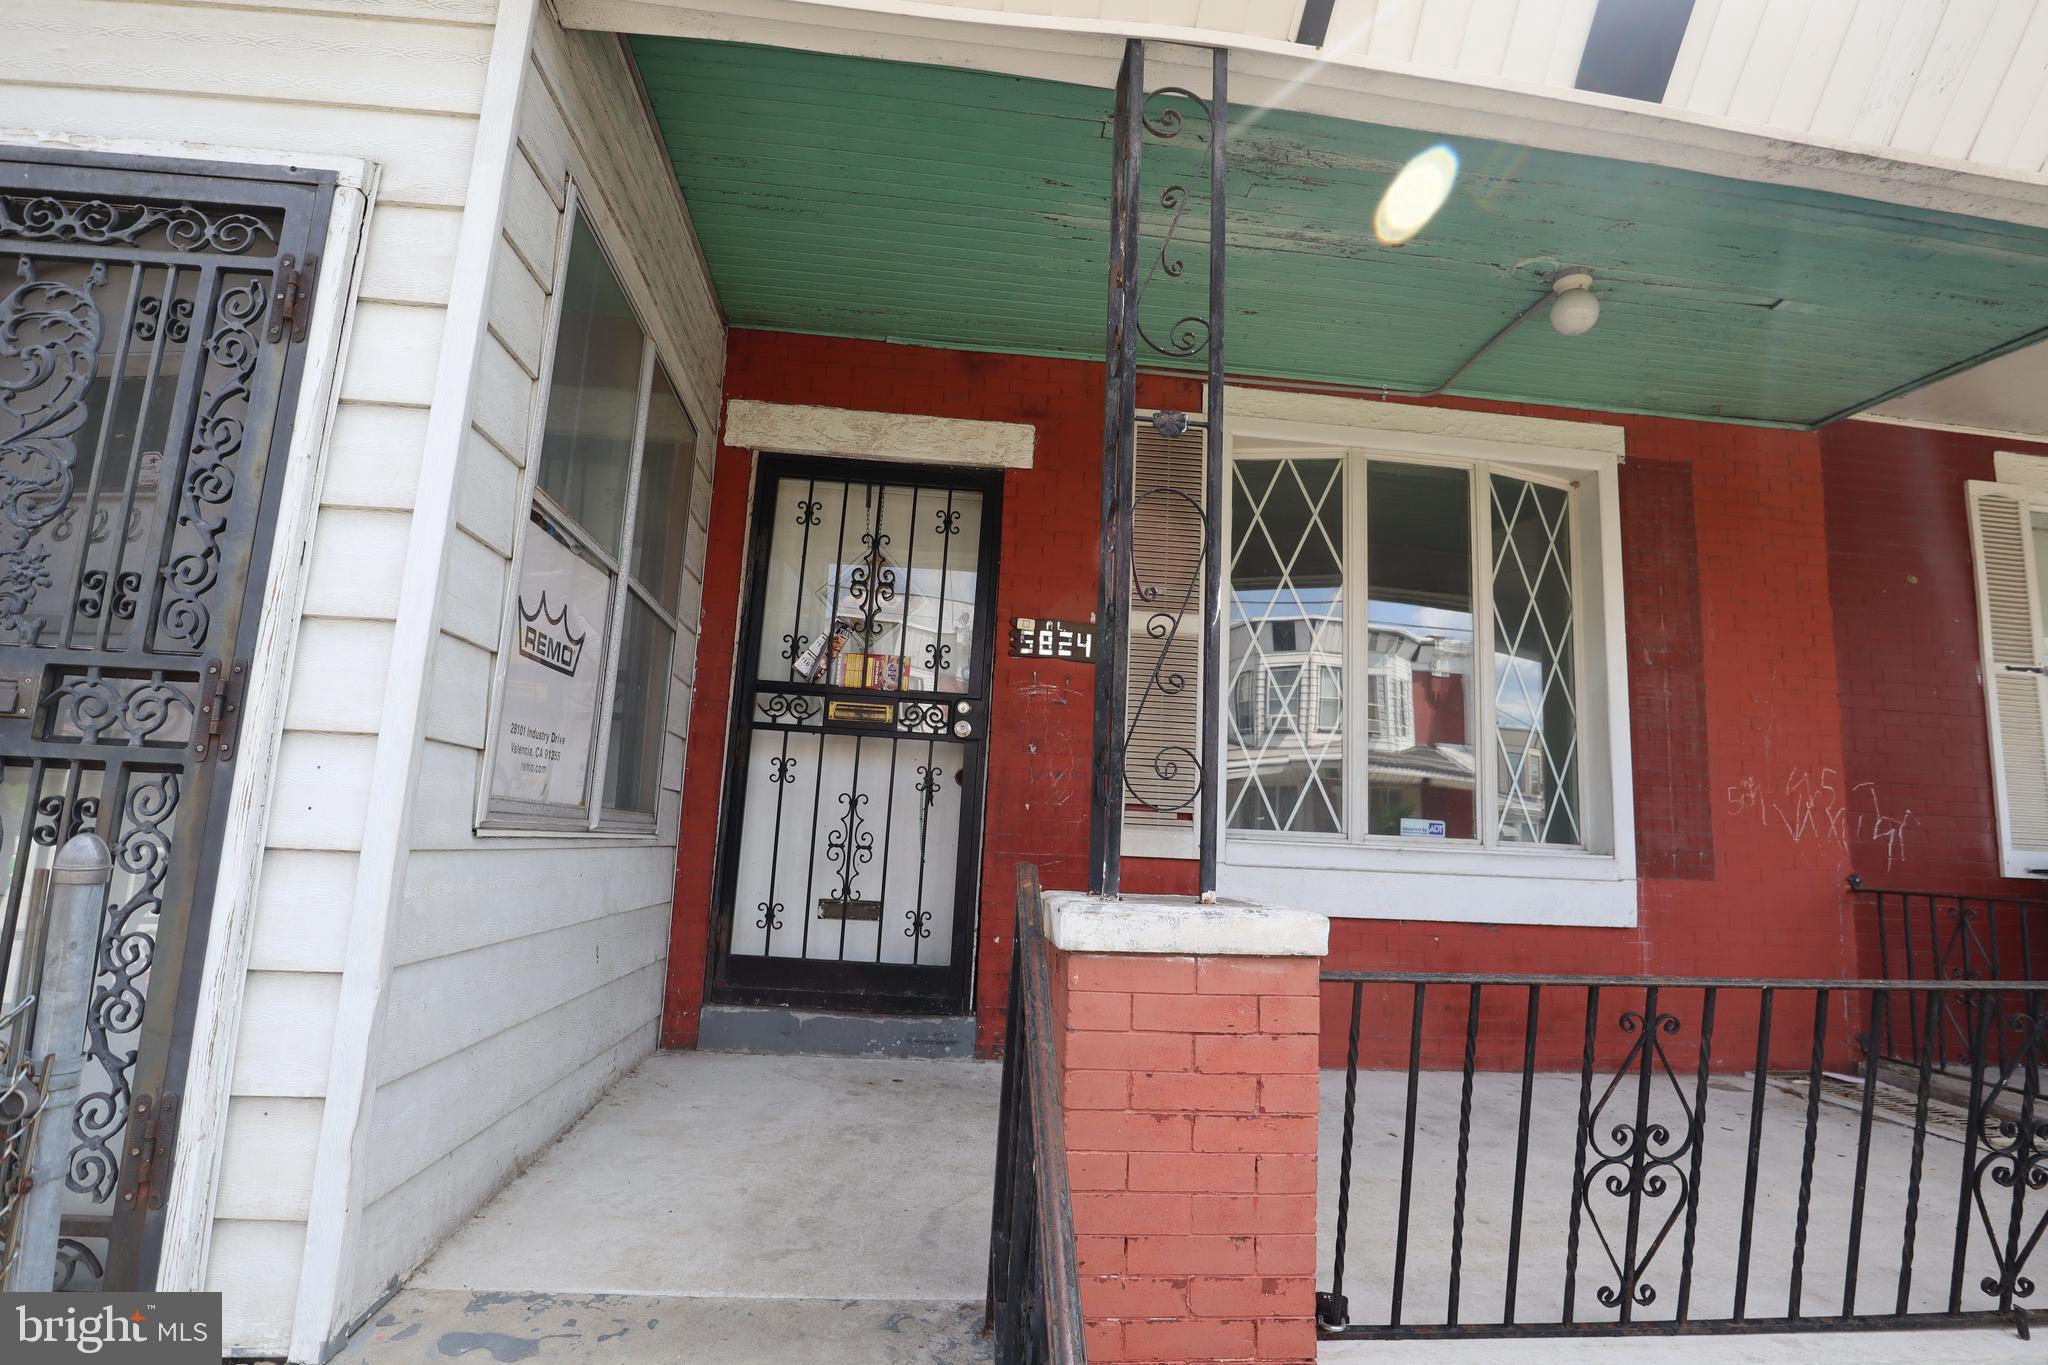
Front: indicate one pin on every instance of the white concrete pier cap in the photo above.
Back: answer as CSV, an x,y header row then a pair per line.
x,y
1078,922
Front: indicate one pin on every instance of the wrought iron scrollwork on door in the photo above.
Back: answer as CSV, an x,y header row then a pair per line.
x,y
851,846
193,568
49,352
51,829
100,706
143,411
127,951
106,222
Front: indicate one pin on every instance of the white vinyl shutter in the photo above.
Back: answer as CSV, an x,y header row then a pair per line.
x,y
2009,626
1166,553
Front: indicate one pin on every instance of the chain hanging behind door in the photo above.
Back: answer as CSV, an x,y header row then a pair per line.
x,y
147,318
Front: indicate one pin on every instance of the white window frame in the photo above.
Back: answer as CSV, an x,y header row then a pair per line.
x,y
1388,877
497,816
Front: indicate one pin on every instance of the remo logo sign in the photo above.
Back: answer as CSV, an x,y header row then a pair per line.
x,y
544,637
549,719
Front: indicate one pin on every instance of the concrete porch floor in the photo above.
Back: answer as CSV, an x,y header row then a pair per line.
x,y
745,1210
718,1209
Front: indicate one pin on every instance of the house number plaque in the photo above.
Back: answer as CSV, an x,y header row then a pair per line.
x,y
1034,638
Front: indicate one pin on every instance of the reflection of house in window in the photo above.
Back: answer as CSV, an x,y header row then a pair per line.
x,y
1290,689
1521,783
1289,695
1420,754
1287,702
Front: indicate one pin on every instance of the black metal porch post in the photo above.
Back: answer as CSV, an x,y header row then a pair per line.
x,y
1214,491
1105,841
1189,337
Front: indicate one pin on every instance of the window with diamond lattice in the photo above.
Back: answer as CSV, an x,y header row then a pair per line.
x,y
1286,611
1464,575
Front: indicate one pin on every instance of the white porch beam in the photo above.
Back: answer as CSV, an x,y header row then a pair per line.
x,y
1289,76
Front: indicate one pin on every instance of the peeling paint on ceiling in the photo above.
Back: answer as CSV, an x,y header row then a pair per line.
x,y
952,207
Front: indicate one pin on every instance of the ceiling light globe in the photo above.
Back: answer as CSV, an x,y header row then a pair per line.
x,y
1574,311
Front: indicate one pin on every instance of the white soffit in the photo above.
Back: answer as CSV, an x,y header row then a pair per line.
x,y
2007,396
802,429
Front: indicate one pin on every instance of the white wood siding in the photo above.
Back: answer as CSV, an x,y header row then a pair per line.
x,y
1948,78
1275,19
1537,42
528,971
1959,79
397,82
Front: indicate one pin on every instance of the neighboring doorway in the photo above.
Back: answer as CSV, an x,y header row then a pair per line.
x,y
850,852
151,321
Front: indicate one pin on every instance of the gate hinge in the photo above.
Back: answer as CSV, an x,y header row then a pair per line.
x,y
221,693
292,299
146,1156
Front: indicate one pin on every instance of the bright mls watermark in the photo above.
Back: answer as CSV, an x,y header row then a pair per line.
x,y
148,1329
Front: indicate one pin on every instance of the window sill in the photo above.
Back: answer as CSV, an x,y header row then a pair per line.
x,y
1458,886
603,834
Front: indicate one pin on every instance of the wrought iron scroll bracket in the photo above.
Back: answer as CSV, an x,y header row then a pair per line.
x,y
1130,770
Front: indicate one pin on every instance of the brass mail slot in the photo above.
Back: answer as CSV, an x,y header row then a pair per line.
x,y
854,911
861,712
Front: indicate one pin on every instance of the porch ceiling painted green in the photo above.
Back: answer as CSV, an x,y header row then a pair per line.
x,y
953,207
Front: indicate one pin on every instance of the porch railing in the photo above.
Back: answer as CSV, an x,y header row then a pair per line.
x,y
1946,936
1034,1286
1544,1155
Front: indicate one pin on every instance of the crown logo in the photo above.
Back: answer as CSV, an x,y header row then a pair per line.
x,y
544,637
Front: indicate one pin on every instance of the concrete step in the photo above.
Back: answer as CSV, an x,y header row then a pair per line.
x,y
780,1032
435,1326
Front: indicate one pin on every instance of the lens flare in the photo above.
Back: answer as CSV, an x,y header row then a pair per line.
x,y
1415,195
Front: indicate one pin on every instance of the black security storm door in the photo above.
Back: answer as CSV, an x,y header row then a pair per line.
x,y
148,318
849,858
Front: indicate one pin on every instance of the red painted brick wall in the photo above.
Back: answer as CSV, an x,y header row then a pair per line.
x,y
1041,715
1739,744
1786,689
1667,673
1915,742
1190,1104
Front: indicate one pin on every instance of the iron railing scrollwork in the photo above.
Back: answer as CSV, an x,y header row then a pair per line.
x,y
1946,936
1132,767
1721,1158
1034,1282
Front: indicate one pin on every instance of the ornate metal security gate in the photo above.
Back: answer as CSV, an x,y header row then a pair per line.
x,y
147,372
850,852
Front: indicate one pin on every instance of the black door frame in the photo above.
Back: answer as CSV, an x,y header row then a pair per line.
x,y
828,983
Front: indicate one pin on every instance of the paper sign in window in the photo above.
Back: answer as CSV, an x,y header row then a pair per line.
x,y
552,676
